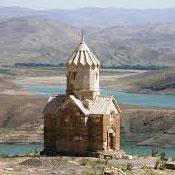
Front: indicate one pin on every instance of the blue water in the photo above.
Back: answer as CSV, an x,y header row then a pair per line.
x,y
18,149
129,148
133,149
121,97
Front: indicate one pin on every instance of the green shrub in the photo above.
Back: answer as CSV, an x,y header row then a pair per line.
x,y
163,156
5,72
155,152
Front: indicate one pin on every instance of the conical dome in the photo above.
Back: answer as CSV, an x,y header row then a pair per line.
x,y
83,56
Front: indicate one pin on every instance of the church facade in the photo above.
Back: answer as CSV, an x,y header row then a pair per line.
x,y
81,122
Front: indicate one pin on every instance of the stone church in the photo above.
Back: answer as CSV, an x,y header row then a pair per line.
x,y
82,121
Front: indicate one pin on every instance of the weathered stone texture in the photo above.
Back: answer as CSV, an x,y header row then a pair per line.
x,y
49,133
71,134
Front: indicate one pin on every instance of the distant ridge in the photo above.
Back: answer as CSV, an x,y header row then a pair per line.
x,y
97,16
119,37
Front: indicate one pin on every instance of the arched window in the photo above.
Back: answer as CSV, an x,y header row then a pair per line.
x,y
74,75
96,76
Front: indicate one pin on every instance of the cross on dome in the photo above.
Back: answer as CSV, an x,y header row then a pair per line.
x,y
82,55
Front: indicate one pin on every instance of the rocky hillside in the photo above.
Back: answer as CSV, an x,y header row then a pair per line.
x,y
35,39
157,81
148,126
41,39
21,111
142,45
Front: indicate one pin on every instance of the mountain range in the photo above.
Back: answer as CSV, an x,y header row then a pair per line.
x,y
97,17
117,36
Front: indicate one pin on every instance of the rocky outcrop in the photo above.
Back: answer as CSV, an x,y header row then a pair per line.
x,y
149,126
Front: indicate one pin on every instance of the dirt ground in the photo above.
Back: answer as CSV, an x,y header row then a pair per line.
x,y
76,166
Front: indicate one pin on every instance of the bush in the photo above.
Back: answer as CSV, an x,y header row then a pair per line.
x,y
163,156
162,166
129,166
157,164
155,152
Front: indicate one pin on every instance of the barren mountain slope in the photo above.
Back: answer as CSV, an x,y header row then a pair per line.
x,y
143,45
44,40
97,17
35,39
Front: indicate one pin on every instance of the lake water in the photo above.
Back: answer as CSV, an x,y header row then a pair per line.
x,y
121,97
133,149
129,148
16,149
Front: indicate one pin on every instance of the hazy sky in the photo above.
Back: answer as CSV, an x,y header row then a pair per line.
x,y
63,4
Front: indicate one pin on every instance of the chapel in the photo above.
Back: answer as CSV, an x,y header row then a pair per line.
x,y
82,121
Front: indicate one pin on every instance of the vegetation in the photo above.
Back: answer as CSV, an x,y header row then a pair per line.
x,y
157,164
155,152
135,67
5,72
38,65
162,166
163,156
129,166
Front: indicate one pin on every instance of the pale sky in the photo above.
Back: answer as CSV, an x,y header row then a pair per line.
x,y
72,4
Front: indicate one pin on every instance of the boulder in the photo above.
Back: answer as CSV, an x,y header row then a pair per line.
x,y
8,169
170,165
113,171
128,157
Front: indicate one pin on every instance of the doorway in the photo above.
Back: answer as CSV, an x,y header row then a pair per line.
x,y
111,139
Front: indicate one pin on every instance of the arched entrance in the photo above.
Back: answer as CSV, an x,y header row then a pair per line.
x,y
111,139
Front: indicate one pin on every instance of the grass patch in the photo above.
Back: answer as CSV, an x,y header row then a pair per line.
x,y
5,72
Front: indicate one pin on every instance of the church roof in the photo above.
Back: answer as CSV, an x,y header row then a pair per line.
x,y
79,104
82,55
101,105
53,103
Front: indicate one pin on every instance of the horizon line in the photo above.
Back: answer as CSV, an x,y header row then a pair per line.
x,y
86,7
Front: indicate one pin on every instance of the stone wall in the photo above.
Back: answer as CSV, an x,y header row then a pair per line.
x,y
95,133
71,131
49,134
